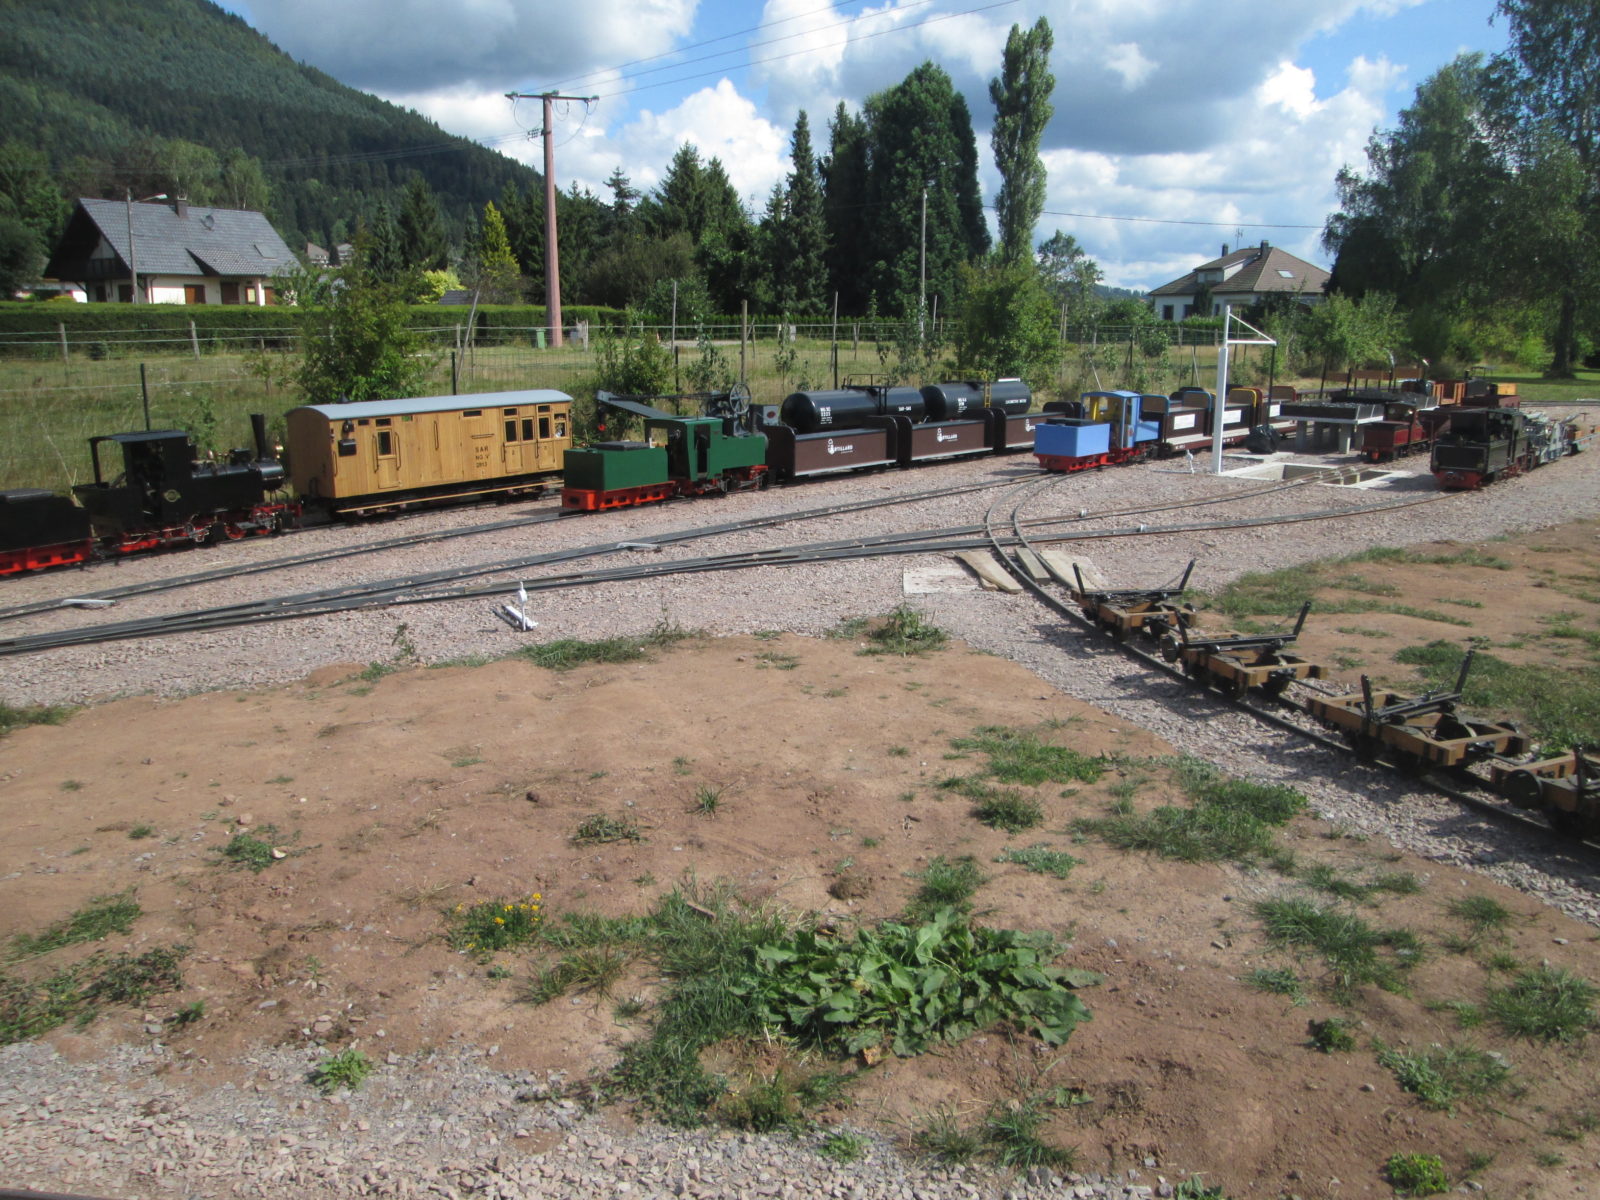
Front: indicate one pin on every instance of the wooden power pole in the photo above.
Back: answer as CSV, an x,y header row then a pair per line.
x,y
552,257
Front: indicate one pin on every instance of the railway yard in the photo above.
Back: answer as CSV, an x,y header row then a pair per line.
x,y
754,745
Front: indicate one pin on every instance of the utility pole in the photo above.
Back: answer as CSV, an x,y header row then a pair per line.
x,y
922,269
552,257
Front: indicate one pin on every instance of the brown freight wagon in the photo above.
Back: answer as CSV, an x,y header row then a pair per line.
x,y
385,455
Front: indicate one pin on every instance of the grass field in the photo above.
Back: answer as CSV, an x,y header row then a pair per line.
x,y
49,408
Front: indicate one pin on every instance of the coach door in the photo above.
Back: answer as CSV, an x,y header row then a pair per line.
x,y
521,451
551,426
386,454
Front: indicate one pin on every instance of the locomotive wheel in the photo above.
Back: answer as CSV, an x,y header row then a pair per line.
x,y
1363,745
1275,687
1171,648
1412,766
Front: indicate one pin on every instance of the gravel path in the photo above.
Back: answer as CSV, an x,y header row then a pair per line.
x,y
452,1125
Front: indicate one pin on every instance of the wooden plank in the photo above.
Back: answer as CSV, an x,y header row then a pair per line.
x,y
1029,562
989,571
1059,563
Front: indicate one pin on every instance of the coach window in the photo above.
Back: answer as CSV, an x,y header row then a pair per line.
x,y
561,427
544,428
511,431
385,443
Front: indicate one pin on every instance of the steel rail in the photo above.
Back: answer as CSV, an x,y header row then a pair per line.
x,y
436,587
1495,809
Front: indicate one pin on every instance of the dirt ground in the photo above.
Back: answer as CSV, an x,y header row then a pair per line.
x,y
395,798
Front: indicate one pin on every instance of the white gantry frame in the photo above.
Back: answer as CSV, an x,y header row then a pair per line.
x,y
1220,404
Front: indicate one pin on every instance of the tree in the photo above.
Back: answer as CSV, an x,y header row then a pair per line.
x,y
844,191
1022,108
805,227
1007,326
624,201
21,257
920,144
357,343
382,247
1069,275
28,192
1551,80
241,183
423,243
494,269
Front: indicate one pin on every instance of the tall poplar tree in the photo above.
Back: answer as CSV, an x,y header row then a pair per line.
x,y
1022,109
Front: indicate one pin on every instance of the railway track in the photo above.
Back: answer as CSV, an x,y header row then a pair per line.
x,y
1283,712
435,587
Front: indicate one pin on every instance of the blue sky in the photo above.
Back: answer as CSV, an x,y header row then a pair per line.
x,y
1191,122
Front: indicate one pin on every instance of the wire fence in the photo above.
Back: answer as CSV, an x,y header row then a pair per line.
x,y
56,393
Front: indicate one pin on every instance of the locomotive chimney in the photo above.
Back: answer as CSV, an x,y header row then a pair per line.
x,y
258,427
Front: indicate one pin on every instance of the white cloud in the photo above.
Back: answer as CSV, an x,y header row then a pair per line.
x,y
421,45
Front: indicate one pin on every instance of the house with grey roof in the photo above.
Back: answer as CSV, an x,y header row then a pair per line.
x,y
1244,278
183,254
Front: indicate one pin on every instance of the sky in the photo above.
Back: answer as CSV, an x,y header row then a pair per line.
x,y
1179,125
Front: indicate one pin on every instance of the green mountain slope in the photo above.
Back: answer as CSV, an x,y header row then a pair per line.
x,y
97,85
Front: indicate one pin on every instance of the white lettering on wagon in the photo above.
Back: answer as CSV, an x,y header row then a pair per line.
x,y
848,448
940,437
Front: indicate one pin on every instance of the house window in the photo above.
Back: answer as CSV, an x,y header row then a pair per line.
x,y
194,293
1166,312
1188,311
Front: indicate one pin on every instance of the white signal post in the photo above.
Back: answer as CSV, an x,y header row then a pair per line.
x,y
1219,406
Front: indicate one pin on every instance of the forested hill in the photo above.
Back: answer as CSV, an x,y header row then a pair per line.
x,y
125,93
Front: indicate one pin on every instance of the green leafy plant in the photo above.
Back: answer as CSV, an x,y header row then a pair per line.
x,y
906,986
1417,1174
707,800
19,717
1482,915
134,978
141,831
1011,1131
345,1071
1332,1036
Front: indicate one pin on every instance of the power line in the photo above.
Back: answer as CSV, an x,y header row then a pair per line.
x,y
602,73
756,62
1172,220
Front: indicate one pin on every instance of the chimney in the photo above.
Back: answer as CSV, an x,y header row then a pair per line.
x,y
1224,249
1265,245
181,206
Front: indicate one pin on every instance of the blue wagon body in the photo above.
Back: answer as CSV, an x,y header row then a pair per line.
x,y
1067,437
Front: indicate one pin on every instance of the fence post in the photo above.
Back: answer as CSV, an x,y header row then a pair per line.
x,y
144,392
194,339
61,328
744,330
455,379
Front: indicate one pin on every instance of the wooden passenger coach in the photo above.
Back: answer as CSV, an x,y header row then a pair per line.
x,y
385,455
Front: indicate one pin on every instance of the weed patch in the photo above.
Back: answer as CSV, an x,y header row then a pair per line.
x,y
1349,947
1549,1003
594,969
1416,1174
342,1072
1040,859
490,925
1443,1076
566,653
1228,819
101,917
904,631
1333,1036
250,850
598,828
946,883
20,717
1018,756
